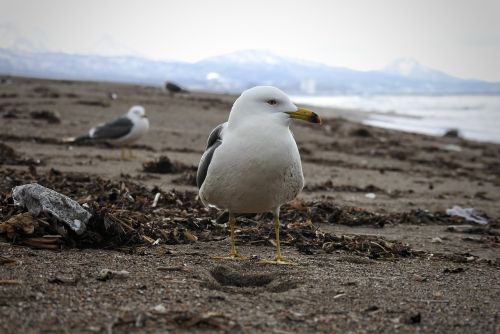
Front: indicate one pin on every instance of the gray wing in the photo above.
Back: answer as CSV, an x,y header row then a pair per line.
x,y
214,141
115,129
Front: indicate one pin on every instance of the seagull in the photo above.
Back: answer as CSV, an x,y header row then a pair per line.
x,y
121,131
251,163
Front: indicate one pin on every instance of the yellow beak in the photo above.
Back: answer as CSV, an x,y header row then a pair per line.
x,y
305,115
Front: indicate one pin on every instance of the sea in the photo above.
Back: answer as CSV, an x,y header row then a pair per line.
x,y
476,117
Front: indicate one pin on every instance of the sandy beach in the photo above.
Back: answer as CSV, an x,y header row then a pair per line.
x,y
364,186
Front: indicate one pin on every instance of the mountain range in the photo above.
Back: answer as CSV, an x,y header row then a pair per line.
x,y
239,70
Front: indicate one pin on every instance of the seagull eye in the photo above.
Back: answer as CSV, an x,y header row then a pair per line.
x,y
272,102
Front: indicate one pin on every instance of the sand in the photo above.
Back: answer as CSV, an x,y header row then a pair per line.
x,y
326,292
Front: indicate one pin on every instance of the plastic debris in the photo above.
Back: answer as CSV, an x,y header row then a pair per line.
x,y
468,214
37,199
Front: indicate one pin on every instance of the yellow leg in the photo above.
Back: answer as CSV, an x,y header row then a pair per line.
x,y
130,154
278,259
233,254
122,153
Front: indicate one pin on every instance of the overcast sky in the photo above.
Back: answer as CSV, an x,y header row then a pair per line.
x,y
459,37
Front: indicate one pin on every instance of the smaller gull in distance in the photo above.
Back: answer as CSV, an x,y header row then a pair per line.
x,y
251,163
121,131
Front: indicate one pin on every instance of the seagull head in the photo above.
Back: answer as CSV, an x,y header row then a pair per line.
x,y
137,112
268,101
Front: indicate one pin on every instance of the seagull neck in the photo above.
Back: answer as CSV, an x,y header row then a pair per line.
x,y
258,123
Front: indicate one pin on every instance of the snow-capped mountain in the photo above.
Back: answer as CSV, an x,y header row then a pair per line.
x,y
411,69
237,71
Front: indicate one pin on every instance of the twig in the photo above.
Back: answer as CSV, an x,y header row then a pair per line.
x,y
376,244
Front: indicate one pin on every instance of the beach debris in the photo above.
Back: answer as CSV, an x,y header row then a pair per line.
x,y
469,214
163,165
50,116
155,201
106,274
370,195
46,242
174,88
190,236
159,309
437,240
452,133
374,247
180,218
21,224
38,199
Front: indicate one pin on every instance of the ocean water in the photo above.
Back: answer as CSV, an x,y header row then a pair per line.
x,y
477,117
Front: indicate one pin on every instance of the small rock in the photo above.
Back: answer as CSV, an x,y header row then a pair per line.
x,y
160,309
419,278
437,240
106,274
370,195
